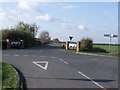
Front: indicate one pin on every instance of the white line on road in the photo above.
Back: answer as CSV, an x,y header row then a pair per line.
x,y
66,62
41,51
53,57
92,80
16,55
83,75
43,56
60,59
43,67
63,61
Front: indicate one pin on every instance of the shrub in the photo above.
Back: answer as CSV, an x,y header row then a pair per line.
x,y
23,31
86,44
26,36
4,44
56,40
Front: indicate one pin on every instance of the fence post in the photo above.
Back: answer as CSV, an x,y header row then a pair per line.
x,y
22,43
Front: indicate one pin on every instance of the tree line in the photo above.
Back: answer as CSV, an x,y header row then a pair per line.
x,y
26,32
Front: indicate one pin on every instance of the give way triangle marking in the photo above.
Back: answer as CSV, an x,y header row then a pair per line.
x,y
42,64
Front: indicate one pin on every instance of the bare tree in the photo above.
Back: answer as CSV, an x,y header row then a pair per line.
x,y
45,37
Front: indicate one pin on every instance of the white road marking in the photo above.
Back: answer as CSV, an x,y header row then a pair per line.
x,y
66,62
43,56
92,80
53,57
16,55
63,61
60,60
38,64
83,75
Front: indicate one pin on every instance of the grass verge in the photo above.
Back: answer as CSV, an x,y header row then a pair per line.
x,y
95,53
112,50
10,77
100,50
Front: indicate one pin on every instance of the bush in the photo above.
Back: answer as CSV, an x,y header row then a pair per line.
x,y
56,40
16,35
23,31
4,44
28,39
86,44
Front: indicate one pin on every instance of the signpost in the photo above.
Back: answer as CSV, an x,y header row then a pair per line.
x,y
110,36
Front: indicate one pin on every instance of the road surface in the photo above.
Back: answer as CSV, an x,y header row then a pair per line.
x,y
51,67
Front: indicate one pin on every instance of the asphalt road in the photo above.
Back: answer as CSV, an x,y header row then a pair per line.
x,y
64,70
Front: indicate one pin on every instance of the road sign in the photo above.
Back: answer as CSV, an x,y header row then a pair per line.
x,y
115,35
107,35
110,36
71,37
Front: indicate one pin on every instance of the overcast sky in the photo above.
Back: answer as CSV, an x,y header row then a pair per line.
x,y
79,19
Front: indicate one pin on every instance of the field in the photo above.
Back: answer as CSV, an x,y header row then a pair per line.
x,y
100,49
111,50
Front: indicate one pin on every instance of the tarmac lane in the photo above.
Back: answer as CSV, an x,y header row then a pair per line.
x,y
52,68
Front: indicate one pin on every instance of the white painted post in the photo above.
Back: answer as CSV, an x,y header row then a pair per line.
x,y
8,44
22,46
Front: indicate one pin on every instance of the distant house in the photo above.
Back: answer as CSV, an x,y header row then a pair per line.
x,y
72,45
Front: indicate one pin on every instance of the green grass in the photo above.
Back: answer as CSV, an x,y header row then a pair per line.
x,y
100,50
9,76
112,50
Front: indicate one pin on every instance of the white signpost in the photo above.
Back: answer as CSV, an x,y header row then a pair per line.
x,y
110,36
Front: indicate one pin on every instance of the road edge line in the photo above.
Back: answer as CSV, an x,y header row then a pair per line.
x,y
92,80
